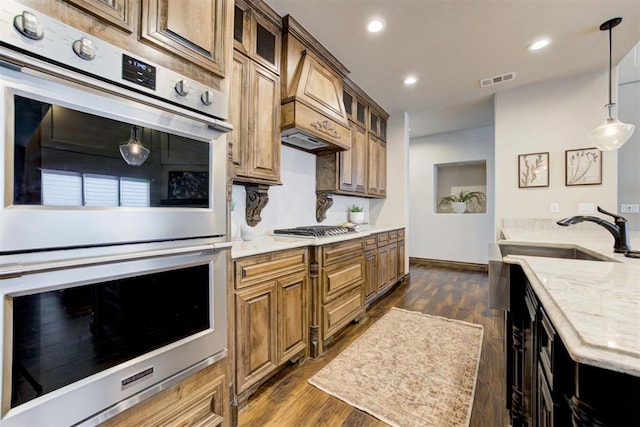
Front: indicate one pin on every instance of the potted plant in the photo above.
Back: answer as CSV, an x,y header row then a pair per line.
x,y
459,200
356,214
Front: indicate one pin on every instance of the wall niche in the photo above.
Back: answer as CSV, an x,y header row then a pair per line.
x,y
452,178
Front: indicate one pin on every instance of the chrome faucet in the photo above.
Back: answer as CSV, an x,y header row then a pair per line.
x,y
619,230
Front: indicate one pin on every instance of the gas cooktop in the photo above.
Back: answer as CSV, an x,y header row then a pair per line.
x,y
313,231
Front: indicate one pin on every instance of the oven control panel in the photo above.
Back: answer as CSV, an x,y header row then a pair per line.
x,y
44,38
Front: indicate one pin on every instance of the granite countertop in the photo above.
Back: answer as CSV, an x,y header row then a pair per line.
x,y
269,243
594,305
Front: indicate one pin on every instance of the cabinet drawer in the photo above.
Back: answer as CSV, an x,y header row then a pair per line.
x,y
336,252
401,234
197,401
383,239
342,311
370,242
252,270
337,279
393,236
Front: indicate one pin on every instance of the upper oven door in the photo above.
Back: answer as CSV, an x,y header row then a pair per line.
x,y
66,181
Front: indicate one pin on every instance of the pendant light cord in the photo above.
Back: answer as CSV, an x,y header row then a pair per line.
x,y
610,68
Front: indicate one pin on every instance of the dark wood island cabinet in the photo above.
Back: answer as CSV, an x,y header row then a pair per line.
x,y
545,386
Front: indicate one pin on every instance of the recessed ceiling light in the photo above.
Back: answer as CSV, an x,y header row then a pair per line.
x,y
539,44
410,80
375,26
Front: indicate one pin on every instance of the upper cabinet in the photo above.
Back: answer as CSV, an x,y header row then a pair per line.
x,y
256,35
255,94
115,12
193,30
362,170
313,114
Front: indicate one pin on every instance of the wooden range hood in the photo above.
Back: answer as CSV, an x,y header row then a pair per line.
x,y
313,117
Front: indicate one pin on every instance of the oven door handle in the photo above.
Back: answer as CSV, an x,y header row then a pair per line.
x,y
15,269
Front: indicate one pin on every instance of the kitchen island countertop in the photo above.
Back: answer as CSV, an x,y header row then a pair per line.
x,y
594,305
271,243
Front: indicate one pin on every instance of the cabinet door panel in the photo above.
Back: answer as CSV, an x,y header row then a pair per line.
x,y
370,274
292,316
192,30
383,267
238,105
393,263
264,124
256,319
115,12
353,163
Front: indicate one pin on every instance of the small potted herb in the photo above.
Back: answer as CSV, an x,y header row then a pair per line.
x,y
356,214
459,200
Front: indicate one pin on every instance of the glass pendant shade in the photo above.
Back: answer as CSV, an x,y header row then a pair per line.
x,y
132,151
612,134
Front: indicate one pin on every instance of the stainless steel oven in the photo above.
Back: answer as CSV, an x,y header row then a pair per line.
x,y
102,146
113,219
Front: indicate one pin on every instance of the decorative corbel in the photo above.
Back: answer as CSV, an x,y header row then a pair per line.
x,y
323,203
257,198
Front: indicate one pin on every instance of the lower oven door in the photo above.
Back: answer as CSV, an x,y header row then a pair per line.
x,y
86,338
68,180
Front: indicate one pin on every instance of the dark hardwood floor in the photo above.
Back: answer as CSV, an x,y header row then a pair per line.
x,y
288,400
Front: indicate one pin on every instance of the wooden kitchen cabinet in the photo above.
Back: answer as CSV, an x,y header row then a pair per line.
x,y
377,167
370,268
545,386
384,263
114,12
192,30
200,400
360,171
337,290
254,113
256,34
271,316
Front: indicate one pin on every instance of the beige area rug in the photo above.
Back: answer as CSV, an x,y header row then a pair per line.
x,y
409,369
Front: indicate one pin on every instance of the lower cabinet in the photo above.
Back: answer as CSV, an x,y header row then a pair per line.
x,y
271,316
200,400
337,276
384,262
545,386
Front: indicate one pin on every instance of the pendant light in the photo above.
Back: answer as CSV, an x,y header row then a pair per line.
x,y
132,151
611,134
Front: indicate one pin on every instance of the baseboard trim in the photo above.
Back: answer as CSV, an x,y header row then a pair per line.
x,y
457,265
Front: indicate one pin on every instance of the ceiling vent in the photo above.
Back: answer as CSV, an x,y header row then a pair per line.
x,y
497,79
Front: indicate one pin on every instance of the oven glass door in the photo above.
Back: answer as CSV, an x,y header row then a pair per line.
x,y
84,167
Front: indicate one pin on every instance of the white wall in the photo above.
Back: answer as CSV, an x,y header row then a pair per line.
x,y
550,117
629,153
451,237
293,203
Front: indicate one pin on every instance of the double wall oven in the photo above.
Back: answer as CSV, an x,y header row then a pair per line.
x,y
112,224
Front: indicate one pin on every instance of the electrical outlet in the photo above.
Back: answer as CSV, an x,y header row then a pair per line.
x,y
555,207
630,208
585,208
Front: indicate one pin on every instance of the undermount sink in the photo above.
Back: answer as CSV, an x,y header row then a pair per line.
x,y
499,279
550,252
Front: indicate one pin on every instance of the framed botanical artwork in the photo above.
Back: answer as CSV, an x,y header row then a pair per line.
x,y
533,170
583,166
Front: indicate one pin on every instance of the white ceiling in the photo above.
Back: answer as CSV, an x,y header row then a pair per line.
x,y
451,44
